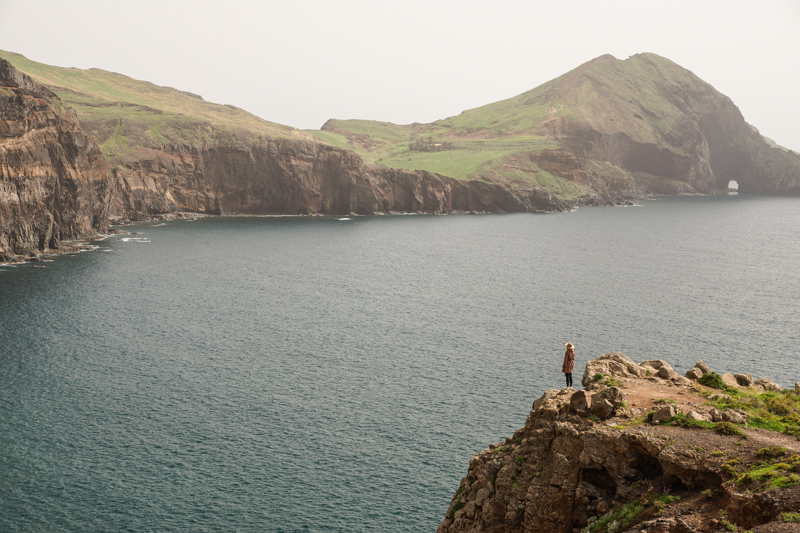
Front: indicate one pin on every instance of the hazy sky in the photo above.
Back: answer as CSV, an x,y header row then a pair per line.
x,y
302,62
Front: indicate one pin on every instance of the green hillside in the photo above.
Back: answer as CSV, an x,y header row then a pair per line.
x,y
127,114
640,96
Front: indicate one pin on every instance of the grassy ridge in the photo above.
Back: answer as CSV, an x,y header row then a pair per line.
x,y
640,96
126,114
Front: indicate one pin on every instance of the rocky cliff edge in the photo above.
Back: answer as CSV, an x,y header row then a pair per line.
x,y
53,179
642,448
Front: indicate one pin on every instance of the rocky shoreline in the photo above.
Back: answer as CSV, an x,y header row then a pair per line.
x,y
642,448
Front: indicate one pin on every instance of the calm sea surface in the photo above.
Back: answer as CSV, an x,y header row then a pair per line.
x,y
315,374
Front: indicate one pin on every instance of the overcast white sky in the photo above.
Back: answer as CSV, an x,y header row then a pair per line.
x,y
302,62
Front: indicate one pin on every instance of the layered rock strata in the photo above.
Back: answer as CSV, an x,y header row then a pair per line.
x,y
53,179
585,461
280,176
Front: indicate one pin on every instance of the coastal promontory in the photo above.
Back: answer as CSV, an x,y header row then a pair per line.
x,y
642,448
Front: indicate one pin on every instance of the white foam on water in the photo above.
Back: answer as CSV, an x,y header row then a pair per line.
x,y
346,218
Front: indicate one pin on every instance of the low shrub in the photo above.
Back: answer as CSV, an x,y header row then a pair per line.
x,y
615,520
457,507
712,380
727,428
771,451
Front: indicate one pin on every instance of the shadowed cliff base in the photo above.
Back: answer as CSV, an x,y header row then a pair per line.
x,y
53,179
641,448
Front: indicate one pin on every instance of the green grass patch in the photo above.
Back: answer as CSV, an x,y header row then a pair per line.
x,y
618,519
765,410
457,507
681,420
607,380
790,517
771,452
713,380
726,428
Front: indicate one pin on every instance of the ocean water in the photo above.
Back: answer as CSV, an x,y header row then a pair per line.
x,y
319,374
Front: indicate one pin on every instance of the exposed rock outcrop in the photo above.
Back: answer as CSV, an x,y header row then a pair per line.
x,y
53,179
281,176
564,470
694,140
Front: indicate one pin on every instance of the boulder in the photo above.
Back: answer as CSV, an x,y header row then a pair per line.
x,y
768,384
664,369
613,395
664,414
703,367
699,415
735,416
745,380
580,402
797,386
680,380
715,415
694,373
753,509
728,379
615,364
602,408
720,396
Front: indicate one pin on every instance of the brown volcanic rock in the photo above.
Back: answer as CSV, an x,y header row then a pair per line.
x,y
560,470
53,178
281,176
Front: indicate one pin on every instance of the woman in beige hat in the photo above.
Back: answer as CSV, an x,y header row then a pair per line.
x,y
569,363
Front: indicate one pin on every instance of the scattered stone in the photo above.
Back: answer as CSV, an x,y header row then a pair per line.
x,y
664,414
745,380
719,396
666,525
736,416
700,416
694,373
680,380
768,384
797,386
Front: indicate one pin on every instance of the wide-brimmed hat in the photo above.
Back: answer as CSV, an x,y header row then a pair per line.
x,y
569,346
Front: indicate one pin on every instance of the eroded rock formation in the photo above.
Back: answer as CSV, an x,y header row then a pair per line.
x,y
281,176
567,468
53,179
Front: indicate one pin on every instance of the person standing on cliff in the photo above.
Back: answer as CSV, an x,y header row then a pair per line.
x,y
569,363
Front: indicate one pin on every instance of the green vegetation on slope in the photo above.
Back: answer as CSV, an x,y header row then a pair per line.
x,y
127,114
639,96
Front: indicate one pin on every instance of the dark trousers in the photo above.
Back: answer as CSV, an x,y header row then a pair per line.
x,y
569,379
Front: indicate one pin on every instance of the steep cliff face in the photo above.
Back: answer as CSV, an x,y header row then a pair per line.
x,y
282,176
664,124
608,128
53,179
638,451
